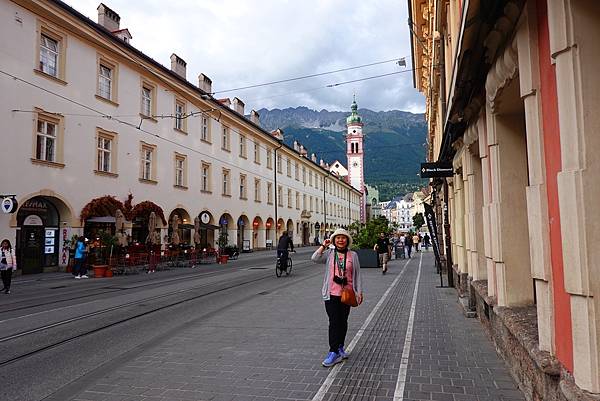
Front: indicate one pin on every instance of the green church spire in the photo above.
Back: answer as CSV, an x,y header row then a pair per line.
x,y
354,117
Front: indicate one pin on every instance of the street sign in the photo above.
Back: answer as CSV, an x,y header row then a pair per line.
x,y
433,170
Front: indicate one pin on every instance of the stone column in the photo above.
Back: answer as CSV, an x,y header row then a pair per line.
x,y
574,33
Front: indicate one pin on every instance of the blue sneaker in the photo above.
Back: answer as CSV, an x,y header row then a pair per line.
x,y
342,353
332,359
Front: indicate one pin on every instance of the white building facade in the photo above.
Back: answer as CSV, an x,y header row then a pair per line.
x,y
89,118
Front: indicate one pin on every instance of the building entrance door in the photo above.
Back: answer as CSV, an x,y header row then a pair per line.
x,y
305,234
32,248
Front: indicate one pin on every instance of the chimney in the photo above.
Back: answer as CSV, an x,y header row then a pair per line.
x,y
238,106
204,83
255,117
178,65
278,134
225,102
313,157
108,18
321,163
303,151
296,147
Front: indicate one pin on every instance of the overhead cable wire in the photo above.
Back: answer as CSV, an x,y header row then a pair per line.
x,y
399,61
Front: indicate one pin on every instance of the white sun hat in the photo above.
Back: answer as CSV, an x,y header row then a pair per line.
x,y
341,231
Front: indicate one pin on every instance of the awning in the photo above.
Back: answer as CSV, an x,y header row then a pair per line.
x,y
101,219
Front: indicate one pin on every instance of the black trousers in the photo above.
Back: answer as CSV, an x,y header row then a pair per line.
x,y
6,278
338,322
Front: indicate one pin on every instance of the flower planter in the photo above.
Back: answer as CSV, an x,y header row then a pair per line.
x,y
108,272
223,259
99,270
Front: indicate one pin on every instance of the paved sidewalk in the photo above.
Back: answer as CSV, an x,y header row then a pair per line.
x,y
271,347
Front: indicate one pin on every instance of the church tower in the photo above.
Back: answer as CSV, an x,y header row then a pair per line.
x,y
354,151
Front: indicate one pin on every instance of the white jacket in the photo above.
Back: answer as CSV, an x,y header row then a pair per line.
x,y
11,260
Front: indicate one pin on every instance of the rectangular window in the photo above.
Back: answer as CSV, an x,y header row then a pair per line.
x,y
180,119
269,159
242,146
304,202
269,193
226,183
105,77
49,55
47,131
180,167
147,95
311,203
297,200
304,175
104,154
289,167
257,190
243,186
279,195
297,172
310,178
225,138
256,153
289,198
205,129
205,185
279,162
147,162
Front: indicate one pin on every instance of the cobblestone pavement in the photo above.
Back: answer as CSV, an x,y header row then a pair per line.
x,y
271,348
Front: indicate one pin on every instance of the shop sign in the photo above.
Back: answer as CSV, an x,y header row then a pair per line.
x,y
434,170
33,220
9,204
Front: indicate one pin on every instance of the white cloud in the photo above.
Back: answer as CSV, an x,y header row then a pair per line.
x,y
244,42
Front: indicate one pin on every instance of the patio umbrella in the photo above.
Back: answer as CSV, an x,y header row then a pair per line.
x,y
120,223
197,230
175,227
152,234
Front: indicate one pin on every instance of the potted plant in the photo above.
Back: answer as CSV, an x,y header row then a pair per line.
x,y
364,237
222,244
104,246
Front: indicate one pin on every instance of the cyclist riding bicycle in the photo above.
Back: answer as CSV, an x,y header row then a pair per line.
x,y
282,249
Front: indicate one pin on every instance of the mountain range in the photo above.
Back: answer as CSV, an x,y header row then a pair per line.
x,y
394,142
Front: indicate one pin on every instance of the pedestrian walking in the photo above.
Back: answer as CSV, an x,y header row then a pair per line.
x,y
415,240
408,244
342,268
8,263
426,241
383,249
80,269
400,247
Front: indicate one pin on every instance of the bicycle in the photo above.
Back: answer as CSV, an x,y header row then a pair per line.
x,y
279,271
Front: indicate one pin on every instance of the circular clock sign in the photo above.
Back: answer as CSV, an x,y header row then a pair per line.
x,y
204,217
355,164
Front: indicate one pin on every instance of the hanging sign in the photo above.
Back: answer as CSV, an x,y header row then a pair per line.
x,y
433,170
9,205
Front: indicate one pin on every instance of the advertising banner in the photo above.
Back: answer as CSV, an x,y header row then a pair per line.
x,y
430,218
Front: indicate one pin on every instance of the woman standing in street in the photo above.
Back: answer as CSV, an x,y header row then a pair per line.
x,y
8,263
341,268
80,270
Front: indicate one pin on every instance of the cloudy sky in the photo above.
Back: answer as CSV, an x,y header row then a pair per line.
x,y
239,43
